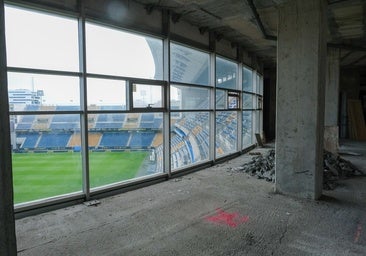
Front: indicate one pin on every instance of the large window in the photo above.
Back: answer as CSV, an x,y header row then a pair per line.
x,y
226,73
85,124
42,41
115,52
45,108
189,138
189,65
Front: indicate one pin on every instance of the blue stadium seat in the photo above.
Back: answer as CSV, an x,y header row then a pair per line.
x,y
108,125
23,126
114,139
54,140
30,140
142,139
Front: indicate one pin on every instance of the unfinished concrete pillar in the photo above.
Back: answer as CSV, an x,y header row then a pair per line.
x,y
331,132
7,224
301,63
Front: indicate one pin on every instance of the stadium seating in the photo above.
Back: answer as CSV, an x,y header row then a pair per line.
x,y
65,126
23,126
30,140
108,125
142,139
67,108
28,118
114,139
66,118
54,140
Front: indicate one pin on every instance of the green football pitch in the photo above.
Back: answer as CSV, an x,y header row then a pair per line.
x,y
42,175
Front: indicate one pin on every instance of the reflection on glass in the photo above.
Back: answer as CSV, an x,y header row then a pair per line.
x,y
257,81
248,101
106,94
226,73
247,80
257,121
147,96
34,92
189,97
247,132
46,157
226,132
125,146
188,65
114,52
221,100
39,40
189,139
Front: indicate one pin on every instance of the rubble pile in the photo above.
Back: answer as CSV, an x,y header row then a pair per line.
x,y
335,168
263,167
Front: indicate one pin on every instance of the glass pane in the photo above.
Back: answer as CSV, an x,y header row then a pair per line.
x,y
38,40
221,100
189,139
106,94
260,85
247,80
46,160
131,145
189,97
257,80
114,52
226,132
233,100
248,101
34,92
247,132
147,96
257,121
226,73
188,65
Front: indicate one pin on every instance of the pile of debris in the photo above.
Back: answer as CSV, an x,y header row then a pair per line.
x,y
335,168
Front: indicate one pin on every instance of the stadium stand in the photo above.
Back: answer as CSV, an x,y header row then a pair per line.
x,y
114,139
30,141
142,139
23,126
54,140
28,118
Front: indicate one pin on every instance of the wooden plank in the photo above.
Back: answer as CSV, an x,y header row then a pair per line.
x,y
357,127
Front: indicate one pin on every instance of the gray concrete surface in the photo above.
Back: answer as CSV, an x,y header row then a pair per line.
x,y
300,98
215,211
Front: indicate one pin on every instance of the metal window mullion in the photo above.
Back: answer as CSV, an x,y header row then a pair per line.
x,y
213,107
240,110
84,104
166,75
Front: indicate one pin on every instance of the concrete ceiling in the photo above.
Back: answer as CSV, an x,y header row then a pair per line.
x,y
236,21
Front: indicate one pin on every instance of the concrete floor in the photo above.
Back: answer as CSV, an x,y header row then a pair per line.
x,y
215,211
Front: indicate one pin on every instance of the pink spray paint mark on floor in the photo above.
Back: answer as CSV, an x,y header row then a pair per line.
x,y
358,233
229,219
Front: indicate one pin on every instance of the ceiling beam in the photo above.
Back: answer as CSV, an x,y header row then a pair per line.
x,y
358,60
259,21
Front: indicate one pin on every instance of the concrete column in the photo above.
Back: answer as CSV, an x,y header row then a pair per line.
x,y
301,62
7,225
331,136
